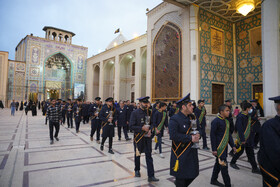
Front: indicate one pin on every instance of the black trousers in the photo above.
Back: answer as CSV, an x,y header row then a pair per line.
x,y
183,182
56,126
46,120
63,118
70,121
148,156
110,141
256,138
124,131
77,122
224,170
203,134
250,154
95,126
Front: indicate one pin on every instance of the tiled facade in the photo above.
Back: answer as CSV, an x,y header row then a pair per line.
x,y
215,68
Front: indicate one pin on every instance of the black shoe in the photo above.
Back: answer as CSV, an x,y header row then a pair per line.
x,y
216,183
72,127
127,139
111,151
162,142
153,179
231,153
137,174
119,139
256,171
57,139
101,147
234,166
51,142
206,148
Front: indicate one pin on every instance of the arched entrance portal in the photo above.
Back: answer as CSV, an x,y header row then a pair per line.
x,y
57,77
127,74
96,73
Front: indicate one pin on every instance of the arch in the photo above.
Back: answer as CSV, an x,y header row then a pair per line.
x,y
66,38
54,36
96,78
109,77
126,78
167,63
71,73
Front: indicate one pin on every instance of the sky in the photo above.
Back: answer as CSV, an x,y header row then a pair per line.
x,y
93,21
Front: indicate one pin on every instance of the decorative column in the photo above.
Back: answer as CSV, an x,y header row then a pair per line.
x,y
138,72
270,54
117,79
101,81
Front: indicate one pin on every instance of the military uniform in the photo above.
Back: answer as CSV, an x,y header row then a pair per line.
x,y
77,109
201,125
108,129
158,117
218,132
269,153
95,121
241,125
122,122
184,159
142,142
69,114
256,125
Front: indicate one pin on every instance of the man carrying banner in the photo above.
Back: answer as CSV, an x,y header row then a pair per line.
x,y
220,138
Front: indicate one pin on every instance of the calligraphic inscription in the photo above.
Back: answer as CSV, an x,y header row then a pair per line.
x,y
217,42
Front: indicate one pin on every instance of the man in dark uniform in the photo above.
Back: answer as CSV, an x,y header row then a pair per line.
x,y
78,110
95,121
244,137
269,153
174,109
256,125
85,112
220,137
108,117
69,113
122,120
64,110
184,159
200,113
230,118
140,124
160,122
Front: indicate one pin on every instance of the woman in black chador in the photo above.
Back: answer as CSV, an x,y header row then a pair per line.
x,y
21,106
34,109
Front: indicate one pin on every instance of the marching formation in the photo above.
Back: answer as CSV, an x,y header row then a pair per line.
x,y
185,122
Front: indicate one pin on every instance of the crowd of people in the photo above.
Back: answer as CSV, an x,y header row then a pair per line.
x,y
185,122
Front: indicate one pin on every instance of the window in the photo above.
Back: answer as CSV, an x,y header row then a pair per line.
x,y
133,69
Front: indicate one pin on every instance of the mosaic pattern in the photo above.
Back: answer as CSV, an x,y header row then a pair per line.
x,y
20,67
167,63
80,62
19,85
249,67
34,72
35,55
214,68
33,86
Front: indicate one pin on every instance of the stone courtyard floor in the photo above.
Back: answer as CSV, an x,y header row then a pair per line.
x,y
28,159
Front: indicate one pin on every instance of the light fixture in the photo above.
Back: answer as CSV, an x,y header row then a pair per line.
x,y
135,35
245,6
115,44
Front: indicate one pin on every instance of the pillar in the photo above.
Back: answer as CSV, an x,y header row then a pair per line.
x,y
117,79
138,73
270,54
101,81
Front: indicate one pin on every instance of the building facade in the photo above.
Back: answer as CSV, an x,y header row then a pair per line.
x,y
205,48
50,67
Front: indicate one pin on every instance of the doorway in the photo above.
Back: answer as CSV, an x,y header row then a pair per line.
x,y
258,93
53,94
217,97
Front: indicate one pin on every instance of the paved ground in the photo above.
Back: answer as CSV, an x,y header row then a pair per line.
x,y
27,159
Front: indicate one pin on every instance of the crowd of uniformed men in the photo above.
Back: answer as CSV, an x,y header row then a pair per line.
x,y
185,122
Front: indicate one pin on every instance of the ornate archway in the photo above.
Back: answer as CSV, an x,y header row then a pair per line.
x,y
96,74
167,57
57,77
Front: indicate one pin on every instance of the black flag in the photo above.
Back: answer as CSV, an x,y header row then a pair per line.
x,y
117,31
